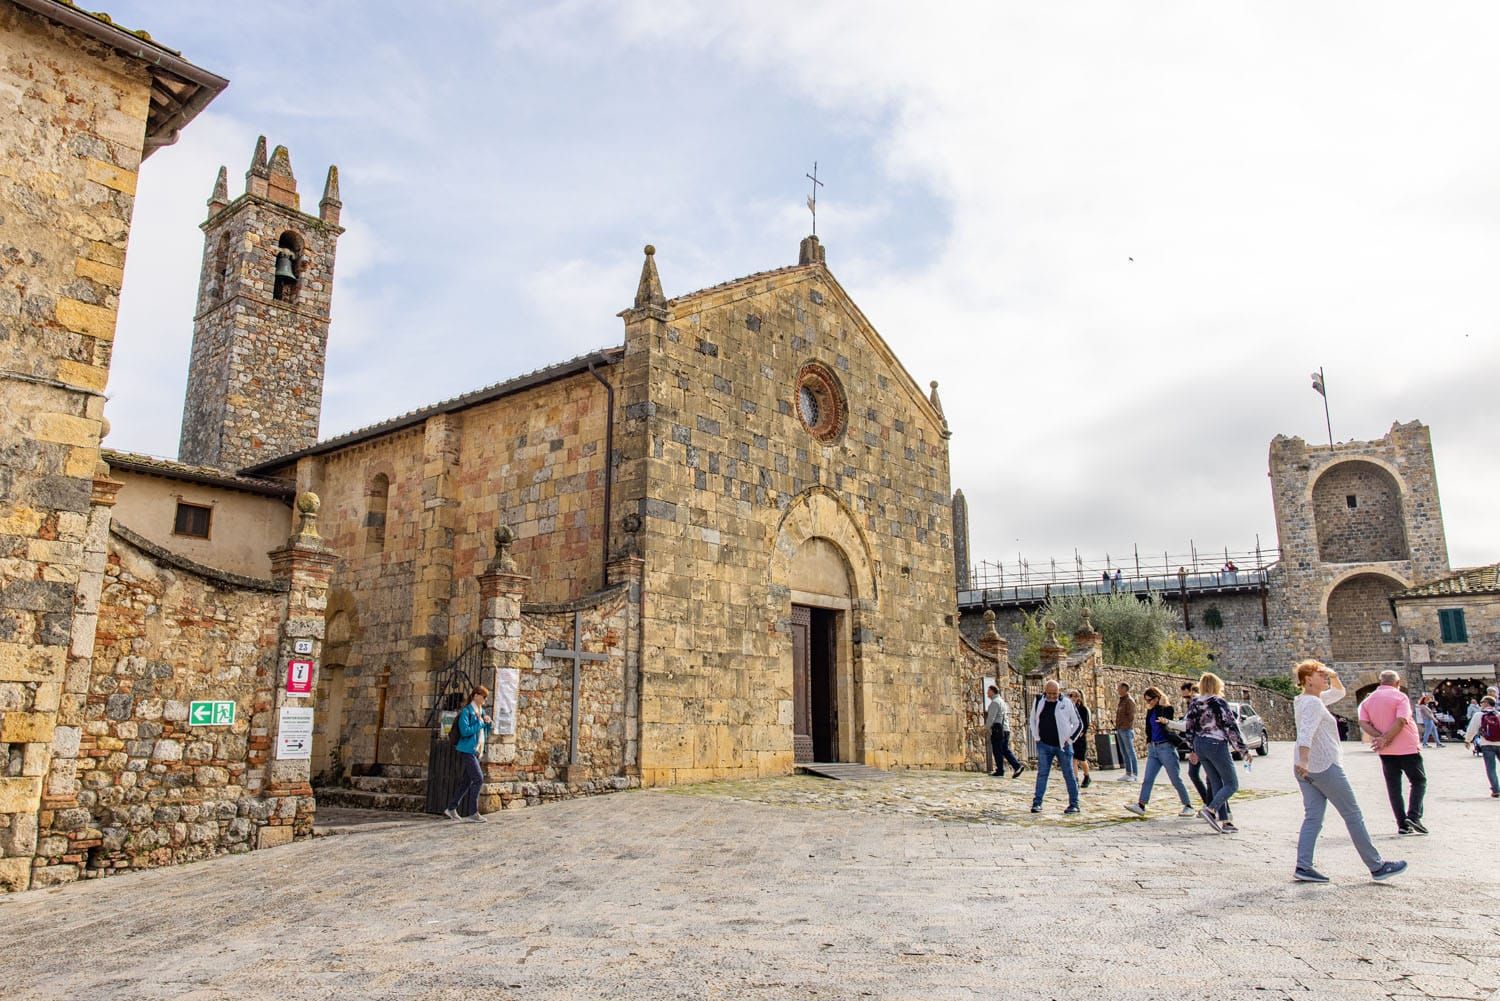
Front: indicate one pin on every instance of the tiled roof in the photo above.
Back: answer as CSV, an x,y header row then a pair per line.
x,y
1476,580
210,475
573,366
741,281
179,89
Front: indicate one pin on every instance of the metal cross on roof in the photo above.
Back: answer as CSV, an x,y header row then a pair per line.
x,y
812,199
577,656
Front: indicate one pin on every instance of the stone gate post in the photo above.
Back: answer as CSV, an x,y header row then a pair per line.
x,y
501,591
283,784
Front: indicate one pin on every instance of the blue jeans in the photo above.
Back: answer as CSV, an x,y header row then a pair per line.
x,y
466,797
1430,732
1163,757
1126,740
1218,764
1318,790
1491,752
1046,754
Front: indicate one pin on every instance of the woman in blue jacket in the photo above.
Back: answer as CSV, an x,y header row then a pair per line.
x,y
471,723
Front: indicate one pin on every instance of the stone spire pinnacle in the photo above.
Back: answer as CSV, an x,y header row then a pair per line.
x,y
257,176
812,252
937,405
220,198
282,184
648,293
330,205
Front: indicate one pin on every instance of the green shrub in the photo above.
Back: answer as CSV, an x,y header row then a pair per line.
x,y
1184,655
1280,684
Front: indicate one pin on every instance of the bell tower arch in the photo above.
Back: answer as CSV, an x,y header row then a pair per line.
x,y
260,329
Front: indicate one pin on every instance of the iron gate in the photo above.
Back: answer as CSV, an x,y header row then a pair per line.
x,y
451,692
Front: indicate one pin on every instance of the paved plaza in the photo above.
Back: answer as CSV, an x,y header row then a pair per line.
x,y
920,887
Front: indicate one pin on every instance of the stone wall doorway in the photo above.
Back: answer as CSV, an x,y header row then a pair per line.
x,y
815,714
329,728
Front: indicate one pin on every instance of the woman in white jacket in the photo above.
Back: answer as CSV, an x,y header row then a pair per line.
x,y
1320,775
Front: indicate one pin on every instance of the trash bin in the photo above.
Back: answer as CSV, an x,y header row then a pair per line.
x,y
1106,751
443,768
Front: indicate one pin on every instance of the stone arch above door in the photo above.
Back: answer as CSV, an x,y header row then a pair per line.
x,y
818,514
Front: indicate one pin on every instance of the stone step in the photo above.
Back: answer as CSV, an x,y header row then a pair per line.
x,y
382,783
843,771
364,799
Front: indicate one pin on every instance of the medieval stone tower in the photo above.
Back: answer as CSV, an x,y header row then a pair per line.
x,y
1357,522
260,330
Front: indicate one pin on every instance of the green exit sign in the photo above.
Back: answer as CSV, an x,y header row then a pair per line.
x,y
217,713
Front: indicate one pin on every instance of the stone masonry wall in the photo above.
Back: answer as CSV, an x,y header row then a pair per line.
x,y
72,136
730,485
1418,623
403,608
1372,531
533,765
132,784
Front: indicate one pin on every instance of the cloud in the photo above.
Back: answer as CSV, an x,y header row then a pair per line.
x,y
1118,236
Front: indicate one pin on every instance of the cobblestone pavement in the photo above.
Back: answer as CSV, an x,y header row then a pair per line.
x,y
802,888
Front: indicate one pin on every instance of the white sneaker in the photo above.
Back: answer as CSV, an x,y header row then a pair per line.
x,y
1127,777
474,818
1187,811
451,813
1136,808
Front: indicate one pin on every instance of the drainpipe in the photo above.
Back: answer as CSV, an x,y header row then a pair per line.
x,y
609,469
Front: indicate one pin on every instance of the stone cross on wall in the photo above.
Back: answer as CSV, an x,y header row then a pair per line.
x,y
577,656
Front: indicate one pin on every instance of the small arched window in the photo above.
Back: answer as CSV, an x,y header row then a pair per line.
x,y
220,275
376,500
288,266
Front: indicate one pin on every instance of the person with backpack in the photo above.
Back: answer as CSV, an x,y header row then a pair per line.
x,y
1485,728
466,733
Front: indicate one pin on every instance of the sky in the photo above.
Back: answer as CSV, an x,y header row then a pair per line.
x,y
1120,236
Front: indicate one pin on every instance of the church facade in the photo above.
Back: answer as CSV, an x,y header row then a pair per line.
x,y
755,452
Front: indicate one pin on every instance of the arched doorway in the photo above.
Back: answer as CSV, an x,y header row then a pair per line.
x,y
819,580
822,584
1361,624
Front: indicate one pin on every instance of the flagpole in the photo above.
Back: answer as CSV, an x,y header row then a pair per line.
x,y
1320,385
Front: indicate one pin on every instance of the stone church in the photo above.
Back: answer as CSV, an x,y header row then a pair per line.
x,y
720,546
751,461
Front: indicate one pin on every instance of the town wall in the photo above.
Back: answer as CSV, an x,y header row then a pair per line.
x,y
132,783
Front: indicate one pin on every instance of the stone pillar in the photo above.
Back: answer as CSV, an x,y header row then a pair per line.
x,y
992,643
432,590
501,591
628,567
65,823
304,566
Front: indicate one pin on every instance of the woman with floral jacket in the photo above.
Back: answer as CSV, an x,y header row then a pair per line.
x,y
1212,729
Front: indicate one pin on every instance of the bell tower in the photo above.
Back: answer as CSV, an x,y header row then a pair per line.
x,y
260,329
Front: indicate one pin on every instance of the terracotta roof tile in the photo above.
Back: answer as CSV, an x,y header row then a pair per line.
x,y
1475,580
210,475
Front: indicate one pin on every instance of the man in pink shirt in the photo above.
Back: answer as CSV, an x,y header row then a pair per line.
x,y
1385,717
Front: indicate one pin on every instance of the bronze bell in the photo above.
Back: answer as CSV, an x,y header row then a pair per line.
x,y
284,267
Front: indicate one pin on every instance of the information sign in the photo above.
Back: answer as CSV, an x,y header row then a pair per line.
x,y
294,734
218,712
299,677
507,687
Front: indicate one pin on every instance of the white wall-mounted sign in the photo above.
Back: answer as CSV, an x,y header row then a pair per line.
x,y
302,647
294,734
507,689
